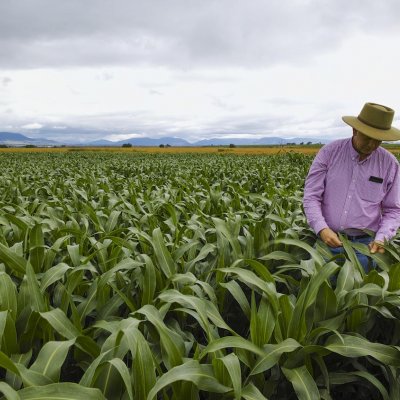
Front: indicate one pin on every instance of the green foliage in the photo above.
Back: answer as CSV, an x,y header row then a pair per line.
x,y
131,276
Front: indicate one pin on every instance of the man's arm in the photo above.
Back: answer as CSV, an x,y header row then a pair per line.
x,y
313,191
390,209
312,201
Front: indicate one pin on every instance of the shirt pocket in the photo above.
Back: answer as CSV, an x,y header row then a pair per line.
x,y
371,191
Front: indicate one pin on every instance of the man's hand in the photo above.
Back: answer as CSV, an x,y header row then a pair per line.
x,y
329,237
376,247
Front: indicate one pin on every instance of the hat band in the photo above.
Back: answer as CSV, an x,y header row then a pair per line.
x,y
372,125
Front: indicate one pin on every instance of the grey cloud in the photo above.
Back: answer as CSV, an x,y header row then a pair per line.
x,y
95,127
50,33
5,81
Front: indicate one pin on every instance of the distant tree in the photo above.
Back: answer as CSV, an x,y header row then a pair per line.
x,y
168,145
3,146
161,145
30,146
232,145
308,143
127,145
302,143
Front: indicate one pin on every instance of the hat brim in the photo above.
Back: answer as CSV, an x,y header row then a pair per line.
x,y
388,135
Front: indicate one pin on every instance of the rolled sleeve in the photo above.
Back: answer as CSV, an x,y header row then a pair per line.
x,y
313,191
390,220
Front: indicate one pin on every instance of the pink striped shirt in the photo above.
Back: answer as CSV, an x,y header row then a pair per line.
x,y
344,194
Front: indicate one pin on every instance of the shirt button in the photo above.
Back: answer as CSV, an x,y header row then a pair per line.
x,y
345,211
341,227
349,196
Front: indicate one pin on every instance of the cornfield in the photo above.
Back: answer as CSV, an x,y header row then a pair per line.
x,y
183,276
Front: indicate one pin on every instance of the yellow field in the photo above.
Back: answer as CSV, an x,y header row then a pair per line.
x,y
395,149
169,150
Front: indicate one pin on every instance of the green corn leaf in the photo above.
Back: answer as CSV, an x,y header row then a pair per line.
x,y
345,280
251,279
279,255
12,260
250,392
232,365
347,245
112,221
88,378
8,295
204,252
60,391
51,358
123,371
36,248
89,303
237,293
172,343
262,322
36,297
73,251
298,243
272,354
32,378
29,378
53,275
144,376
200,375
232,342
62,325
352,376
8,364
298,324
9,392
303,383
163,256
353,346
149,282
8,333
394,278
14,380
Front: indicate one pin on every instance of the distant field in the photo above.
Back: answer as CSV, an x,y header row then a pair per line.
x,y
173,150
255,150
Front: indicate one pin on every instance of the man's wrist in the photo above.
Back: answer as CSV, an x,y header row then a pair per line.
x,y
320,227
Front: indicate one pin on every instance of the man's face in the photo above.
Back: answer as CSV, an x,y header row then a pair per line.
x,y
363,144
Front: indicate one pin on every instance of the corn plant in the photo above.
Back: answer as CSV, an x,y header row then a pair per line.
x,y
151,276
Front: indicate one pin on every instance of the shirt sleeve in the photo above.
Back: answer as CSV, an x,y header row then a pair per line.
x,y
314,189
390,209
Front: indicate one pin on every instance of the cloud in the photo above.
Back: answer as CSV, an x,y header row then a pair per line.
x,y
33,126
194,69
5,81
181,33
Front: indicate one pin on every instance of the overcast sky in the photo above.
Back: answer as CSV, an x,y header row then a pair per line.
x,y
86,70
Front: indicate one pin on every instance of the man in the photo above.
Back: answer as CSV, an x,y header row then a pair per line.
x,y
354,185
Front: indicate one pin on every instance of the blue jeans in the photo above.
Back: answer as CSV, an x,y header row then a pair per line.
x,y
366,262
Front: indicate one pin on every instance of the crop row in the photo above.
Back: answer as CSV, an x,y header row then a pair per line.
x,y
129,276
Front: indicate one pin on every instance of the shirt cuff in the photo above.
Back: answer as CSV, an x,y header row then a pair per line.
x,y
380,237
319,226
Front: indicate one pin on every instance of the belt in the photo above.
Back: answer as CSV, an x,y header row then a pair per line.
x,y
351,237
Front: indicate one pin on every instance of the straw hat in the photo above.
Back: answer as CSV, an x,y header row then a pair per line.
x,y
375,121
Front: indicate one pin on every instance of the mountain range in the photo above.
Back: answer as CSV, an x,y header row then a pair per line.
x,y
17,139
